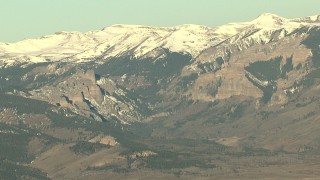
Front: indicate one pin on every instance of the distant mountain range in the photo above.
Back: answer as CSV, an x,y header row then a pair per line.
x,y
169,98
142,41
93,73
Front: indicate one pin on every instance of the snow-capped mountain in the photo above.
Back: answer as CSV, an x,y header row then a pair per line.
x,y
138,40
135,73
187,102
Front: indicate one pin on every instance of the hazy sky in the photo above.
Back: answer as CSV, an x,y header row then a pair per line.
x,y
20,19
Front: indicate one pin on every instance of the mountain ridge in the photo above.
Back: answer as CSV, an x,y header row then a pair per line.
x,y
239,101
117,39
162,66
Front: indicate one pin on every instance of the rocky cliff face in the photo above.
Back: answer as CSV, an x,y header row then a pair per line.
x,y
89,95
293,55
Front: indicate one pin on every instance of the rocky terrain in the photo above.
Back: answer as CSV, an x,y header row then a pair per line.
x,y
188,101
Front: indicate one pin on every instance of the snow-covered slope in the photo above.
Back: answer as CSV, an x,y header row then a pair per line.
x,y
139,40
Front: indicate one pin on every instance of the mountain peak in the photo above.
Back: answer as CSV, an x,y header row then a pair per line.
x,y
315,18
193,27
269,19
268,15
312,19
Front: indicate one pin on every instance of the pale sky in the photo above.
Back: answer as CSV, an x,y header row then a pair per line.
x,y
21,19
